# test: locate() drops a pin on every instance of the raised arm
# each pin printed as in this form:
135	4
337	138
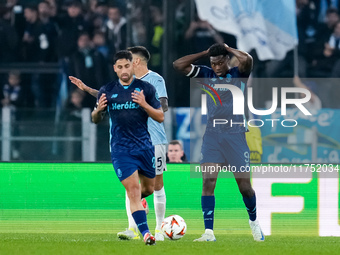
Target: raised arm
139	98
244	59
183	64
81	85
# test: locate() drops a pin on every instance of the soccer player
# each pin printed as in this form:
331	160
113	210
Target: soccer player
223	145
130	102
141	56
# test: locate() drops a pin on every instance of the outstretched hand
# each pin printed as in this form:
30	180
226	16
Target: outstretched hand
77	82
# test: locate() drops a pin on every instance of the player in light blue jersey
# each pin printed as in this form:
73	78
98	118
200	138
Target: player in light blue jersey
223	145
141	57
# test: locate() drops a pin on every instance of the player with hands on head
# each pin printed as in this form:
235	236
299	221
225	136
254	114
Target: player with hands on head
223	145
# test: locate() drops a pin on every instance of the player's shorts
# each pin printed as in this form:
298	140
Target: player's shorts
226	149
126	163
160	155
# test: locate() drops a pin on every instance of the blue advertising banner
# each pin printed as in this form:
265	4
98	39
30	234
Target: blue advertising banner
294	144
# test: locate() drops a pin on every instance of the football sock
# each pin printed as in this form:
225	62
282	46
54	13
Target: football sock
132	223
159	200
140	219
208	207
250	203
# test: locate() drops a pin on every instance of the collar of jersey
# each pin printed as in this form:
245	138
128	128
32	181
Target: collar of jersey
127	86
149	71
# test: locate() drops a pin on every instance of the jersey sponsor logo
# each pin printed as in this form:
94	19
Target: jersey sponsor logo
219	89
128	105
137	89
114	95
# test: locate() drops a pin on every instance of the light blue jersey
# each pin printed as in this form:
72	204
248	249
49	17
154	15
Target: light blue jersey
156	129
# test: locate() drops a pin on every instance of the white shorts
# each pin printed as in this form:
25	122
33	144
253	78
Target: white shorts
160	156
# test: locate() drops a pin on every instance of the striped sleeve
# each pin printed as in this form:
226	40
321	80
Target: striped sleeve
194	71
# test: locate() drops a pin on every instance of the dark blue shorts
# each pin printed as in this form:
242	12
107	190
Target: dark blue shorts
226	149
126	163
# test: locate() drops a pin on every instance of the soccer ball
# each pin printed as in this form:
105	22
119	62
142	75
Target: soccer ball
174	227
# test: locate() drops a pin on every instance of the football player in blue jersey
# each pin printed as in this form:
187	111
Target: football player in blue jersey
129	102
141	56
223	145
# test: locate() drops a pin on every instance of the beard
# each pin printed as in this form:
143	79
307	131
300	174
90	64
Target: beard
125	77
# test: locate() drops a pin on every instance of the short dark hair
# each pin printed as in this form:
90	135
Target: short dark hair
15	73
44	2
4	10
74	3
101	3
32	7
84	33
112	6
218	49
332	10
176	142
140	50
122	54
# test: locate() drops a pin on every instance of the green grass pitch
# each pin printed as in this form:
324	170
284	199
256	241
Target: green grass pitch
79	208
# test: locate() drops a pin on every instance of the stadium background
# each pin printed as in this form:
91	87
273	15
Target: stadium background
47	115
88	198
77	197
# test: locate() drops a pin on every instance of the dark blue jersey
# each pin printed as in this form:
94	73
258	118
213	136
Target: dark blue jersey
128	121
224	111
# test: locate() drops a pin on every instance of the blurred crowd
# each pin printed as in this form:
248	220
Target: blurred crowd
83	35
